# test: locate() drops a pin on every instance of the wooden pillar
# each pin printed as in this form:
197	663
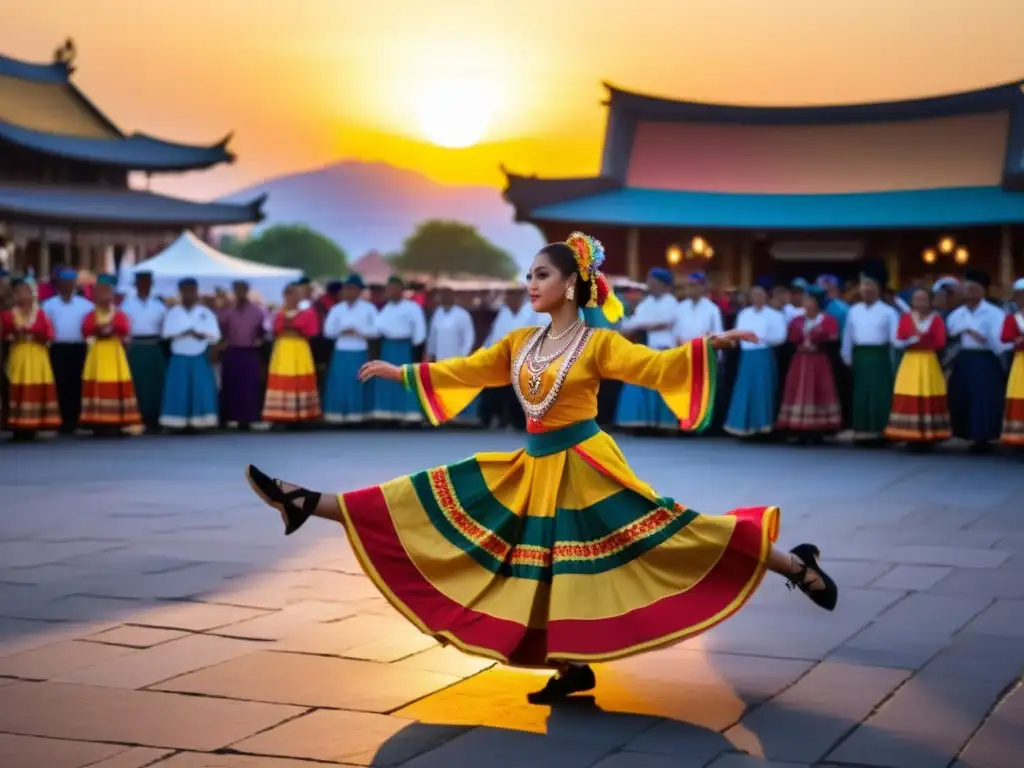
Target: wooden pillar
633	253
729	268
1006	271
746	262
44	255
892	266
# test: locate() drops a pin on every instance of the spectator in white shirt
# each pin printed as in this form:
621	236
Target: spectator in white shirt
349	325
190	392
67	310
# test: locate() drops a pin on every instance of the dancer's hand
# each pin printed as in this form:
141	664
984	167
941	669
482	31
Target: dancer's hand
381	370
730	339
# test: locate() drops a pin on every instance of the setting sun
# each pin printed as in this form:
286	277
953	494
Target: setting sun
454	113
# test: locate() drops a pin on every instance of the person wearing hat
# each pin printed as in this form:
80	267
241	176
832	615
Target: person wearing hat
1013	335
977	383
190	392
401	326
834	304
67	310
867	350
752	406
655	316
32	395
349	326
810	407
243	333
797	293
292	395
920	408
108	394
146	354
696	317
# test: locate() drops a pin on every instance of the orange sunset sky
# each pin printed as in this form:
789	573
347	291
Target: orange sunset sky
306	82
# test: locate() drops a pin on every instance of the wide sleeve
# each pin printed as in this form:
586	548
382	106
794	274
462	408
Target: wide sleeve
684	375
306	323
333	322
42	329
89	325
443	389
208	326
935	339
905	331
121	325
419	325
1012	332
277	325
175	323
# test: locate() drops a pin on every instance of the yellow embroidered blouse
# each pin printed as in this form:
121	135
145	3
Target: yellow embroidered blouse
684	376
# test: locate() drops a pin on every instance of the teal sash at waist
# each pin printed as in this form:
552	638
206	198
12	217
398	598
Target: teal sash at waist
546	443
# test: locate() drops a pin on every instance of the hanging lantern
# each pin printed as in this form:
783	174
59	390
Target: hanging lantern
929	256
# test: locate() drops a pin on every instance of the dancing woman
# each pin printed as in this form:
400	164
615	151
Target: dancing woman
556	554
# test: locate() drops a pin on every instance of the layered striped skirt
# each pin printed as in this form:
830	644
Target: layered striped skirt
32	394
920	408
1013	418
292	393
346	398
752	406
190	394
555	552
108	394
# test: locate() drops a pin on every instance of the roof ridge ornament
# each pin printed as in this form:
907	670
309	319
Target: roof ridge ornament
65	54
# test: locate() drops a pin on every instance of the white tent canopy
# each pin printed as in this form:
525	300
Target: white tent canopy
188	256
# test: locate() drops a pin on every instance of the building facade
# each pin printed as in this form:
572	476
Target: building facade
64	176
927	186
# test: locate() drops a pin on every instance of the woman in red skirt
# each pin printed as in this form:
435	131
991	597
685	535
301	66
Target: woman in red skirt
810	402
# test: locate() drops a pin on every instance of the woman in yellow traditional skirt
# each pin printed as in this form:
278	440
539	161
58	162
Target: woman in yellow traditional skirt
108	394
556	555
32	395
292	394
920	408
1013	333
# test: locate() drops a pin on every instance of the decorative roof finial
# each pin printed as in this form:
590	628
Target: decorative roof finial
66	54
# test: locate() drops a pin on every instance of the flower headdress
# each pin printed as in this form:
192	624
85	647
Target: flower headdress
589	258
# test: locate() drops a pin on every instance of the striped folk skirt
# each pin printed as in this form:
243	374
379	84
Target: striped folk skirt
752	406
148	366
1013	418
346	398
32	394
810	402
873	382
920	408
977	395
190	394
503	558
292	393
108	393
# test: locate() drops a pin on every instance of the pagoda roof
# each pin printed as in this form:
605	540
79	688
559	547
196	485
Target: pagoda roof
656	108
135	152
42	110
913	209
96	206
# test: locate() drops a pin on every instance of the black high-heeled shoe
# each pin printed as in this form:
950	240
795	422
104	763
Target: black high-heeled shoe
296	506
828	596
575	679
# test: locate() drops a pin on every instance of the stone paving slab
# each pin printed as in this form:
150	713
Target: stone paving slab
58	659
144	718
999	743
508	749
196	760
35	752
135	757
356	738
135	637
312	681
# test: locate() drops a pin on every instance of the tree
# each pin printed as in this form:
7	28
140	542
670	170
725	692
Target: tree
298	247
453	247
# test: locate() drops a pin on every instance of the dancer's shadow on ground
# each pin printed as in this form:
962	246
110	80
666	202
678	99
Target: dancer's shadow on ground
578	732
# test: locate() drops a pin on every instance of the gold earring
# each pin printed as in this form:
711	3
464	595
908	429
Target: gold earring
570	292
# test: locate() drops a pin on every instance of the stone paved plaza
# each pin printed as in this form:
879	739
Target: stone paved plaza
151	612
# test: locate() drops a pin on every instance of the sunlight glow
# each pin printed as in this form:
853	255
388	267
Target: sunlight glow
455	112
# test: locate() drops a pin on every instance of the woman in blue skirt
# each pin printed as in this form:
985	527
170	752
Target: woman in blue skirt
190	391
752	407
348	325
402	328
639	407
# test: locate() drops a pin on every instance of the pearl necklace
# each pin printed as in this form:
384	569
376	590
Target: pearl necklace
536	411
538	362
572	327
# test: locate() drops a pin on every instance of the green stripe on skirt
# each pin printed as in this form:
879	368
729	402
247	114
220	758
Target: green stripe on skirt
873	381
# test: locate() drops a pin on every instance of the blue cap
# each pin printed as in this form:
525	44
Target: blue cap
662	275
333	286
800	284
355	280
67	274
188	282
698	277
816	291
107	279
766	282
826	281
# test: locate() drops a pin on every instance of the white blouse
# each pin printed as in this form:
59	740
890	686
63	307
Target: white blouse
180	321
451	333
351	324
986	318
660	310
694	320
769	325
869	326
402	319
